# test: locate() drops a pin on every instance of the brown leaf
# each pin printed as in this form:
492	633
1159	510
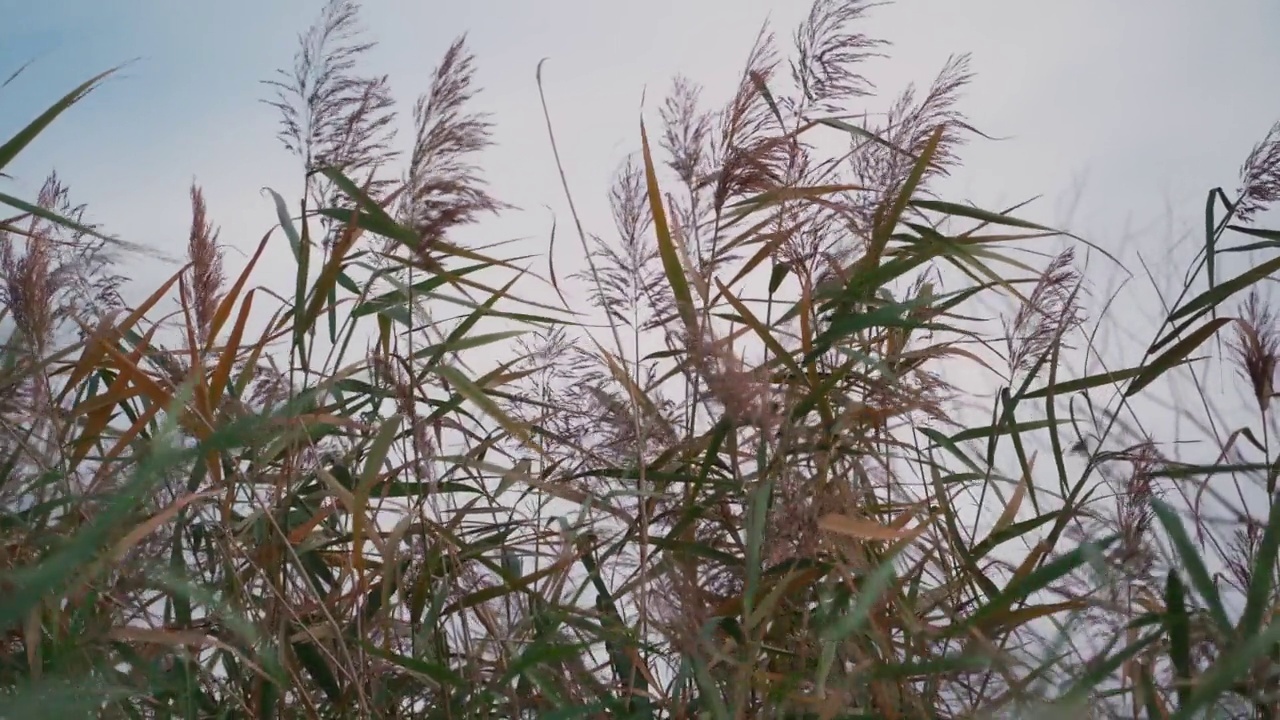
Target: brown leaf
862	528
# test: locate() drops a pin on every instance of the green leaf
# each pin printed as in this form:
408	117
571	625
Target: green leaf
988	431
457	335
1262	577
318	668
370	215
1015	530
377	454
66	222
29	585
1178	625
1230	667
670	256
286	222
1084	383
886	223
440	674
1273	235
869	593
1193	564
468	389
1020	589
863	133
1174	356
399	297
57	698
974	213
1100	671
18	142
778	274
1213	297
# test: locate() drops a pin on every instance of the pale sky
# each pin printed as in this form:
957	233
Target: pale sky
1140	104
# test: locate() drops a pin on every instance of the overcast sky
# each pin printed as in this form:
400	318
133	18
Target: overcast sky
1139	104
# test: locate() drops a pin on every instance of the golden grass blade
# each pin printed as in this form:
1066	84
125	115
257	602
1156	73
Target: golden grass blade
862	528
228	300
93	352
230	353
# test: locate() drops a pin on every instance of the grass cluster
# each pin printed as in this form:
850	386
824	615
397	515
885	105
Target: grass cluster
737	484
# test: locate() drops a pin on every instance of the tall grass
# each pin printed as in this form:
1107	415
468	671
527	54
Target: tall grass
738	486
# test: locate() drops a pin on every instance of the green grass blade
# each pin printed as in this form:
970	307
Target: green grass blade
1213	298
1178	626
26	135
1174	356
667	251
1227	670
1259	600
1193	563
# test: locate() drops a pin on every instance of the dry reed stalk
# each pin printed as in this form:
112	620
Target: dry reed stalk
204	292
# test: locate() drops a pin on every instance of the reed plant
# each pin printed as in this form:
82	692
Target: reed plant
800	438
